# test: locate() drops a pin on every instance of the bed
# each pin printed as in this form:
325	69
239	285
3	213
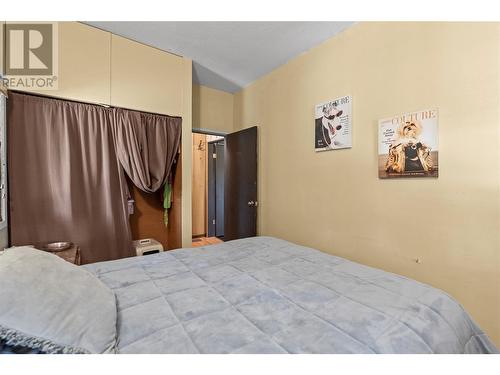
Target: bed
267	295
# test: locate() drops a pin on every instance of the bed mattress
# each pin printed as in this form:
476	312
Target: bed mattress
266	295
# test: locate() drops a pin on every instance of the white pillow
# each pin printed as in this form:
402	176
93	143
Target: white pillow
49	304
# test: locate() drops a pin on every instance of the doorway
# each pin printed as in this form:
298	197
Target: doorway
224	194
208	188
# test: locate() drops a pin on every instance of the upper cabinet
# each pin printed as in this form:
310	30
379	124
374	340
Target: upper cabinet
84	69
145	78
95	66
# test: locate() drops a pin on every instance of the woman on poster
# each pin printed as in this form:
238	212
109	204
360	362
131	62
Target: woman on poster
408	153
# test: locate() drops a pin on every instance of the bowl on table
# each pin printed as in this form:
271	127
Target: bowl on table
54	247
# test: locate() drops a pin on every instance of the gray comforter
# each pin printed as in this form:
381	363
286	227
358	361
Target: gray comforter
265	295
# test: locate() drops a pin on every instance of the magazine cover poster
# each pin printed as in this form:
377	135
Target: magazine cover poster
408	145
333	122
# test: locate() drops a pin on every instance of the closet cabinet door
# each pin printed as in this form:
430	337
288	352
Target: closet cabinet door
145	78
84	64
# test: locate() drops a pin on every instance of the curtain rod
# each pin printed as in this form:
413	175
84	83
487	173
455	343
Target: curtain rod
88	103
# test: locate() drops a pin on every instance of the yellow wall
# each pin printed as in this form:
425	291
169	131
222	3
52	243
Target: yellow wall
212	109
98	67
334	200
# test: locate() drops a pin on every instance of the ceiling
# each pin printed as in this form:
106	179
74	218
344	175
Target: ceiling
229	55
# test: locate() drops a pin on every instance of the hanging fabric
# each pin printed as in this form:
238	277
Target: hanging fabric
146	145
65	179
67	165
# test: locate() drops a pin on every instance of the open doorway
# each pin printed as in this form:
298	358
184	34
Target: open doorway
224	198
207	189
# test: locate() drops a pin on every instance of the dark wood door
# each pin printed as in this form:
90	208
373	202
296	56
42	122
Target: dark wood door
240	181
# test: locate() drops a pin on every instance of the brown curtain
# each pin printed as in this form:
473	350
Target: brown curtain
146	145
65	180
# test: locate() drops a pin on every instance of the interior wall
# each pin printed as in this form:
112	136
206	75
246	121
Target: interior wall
98	67
4	229
4	232
212	109
187	111
199	182
2	23
334	200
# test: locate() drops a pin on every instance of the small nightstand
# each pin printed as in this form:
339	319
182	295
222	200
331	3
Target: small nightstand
71	255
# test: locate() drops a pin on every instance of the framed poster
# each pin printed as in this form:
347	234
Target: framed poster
333	124
408	145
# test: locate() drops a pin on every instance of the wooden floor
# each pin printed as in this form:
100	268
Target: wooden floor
204	241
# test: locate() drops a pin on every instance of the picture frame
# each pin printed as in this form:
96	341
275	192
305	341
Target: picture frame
408	145
333	124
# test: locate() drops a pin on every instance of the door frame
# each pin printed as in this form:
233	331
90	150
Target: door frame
213	187
214	133
209	132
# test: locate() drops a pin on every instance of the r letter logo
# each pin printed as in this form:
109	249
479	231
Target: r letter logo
30	56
